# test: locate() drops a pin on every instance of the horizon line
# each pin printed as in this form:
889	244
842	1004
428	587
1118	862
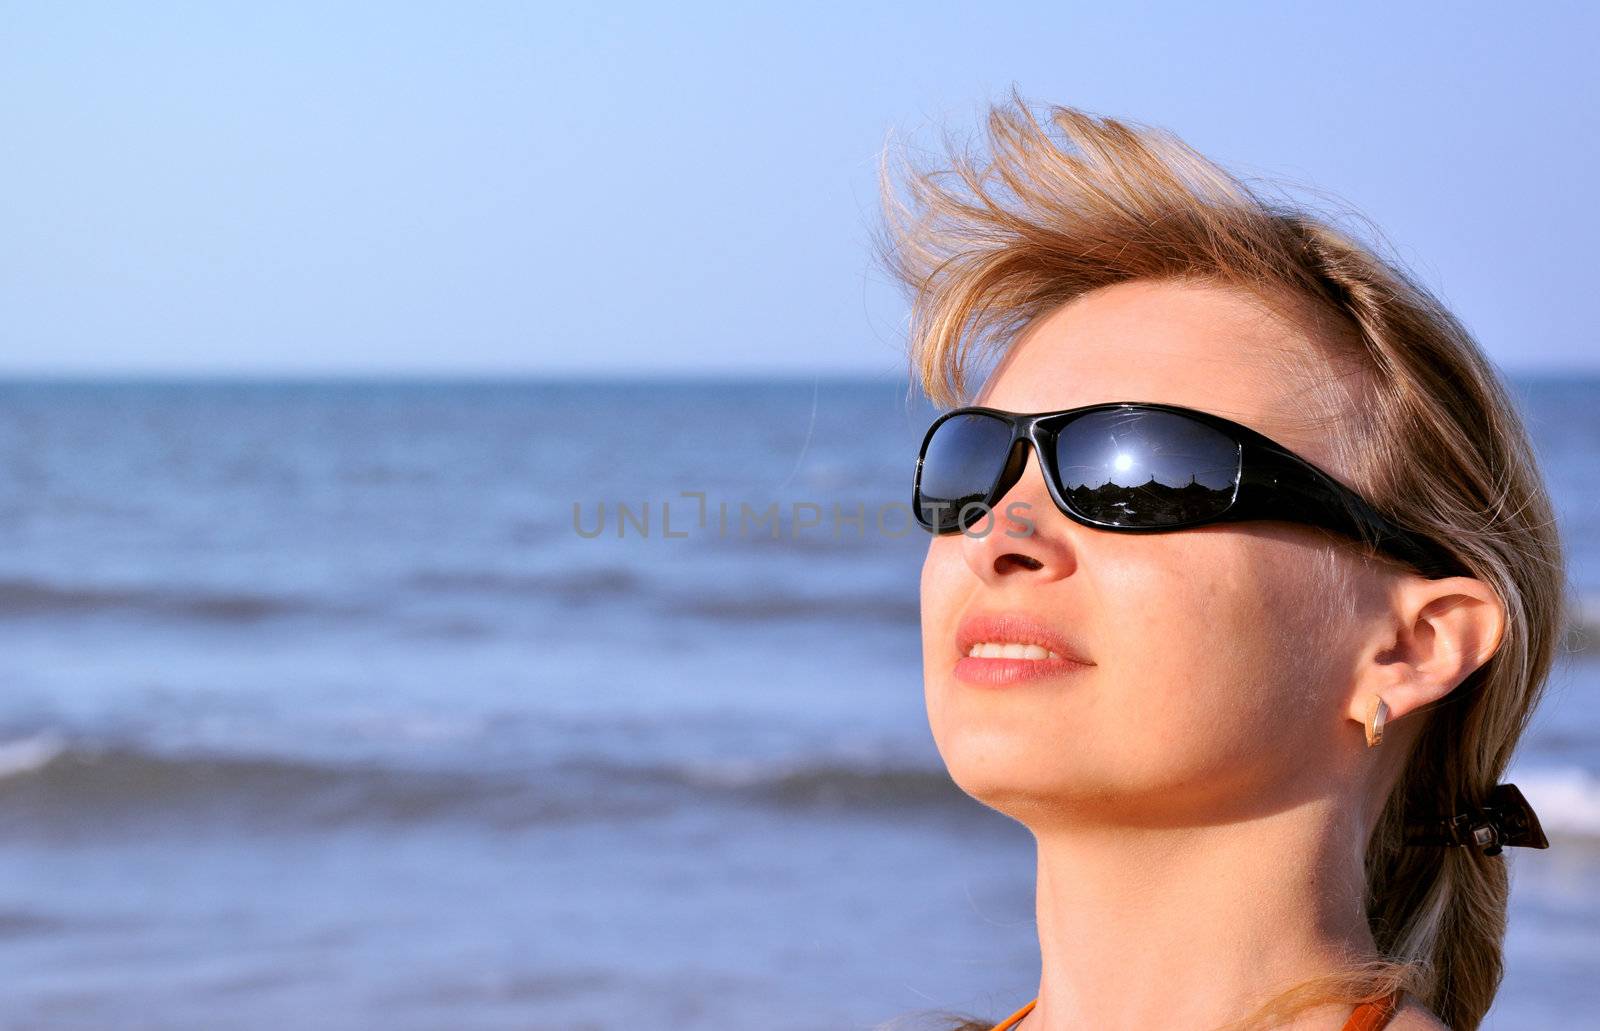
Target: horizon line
548	375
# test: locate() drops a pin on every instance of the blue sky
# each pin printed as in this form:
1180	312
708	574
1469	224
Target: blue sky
476	188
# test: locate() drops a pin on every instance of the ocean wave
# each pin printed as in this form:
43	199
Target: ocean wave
825	784
14	923
584	585
30	597
52	785
58	787
776	606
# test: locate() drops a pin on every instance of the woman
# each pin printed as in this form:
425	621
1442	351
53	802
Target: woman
1235	740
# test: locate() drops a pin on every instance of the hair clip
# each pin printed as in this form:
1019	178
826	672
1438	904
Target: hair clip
1505	819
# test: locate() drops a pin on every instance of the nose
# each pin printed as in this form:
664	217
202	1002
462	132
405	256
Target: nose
1024	536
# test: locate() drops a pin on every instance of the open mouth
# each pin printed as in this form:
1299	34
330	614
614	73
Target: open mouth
998	648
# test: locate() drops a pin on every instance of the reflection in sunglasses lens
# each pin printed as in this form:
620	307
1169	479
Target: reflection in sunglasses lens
961	463
1141	468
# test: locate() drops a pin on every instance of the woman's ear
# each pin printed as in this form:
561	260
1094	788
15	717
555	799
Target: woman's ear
1432	636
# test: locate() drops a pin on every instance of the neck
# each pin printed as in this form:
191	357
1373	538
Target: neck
1189	927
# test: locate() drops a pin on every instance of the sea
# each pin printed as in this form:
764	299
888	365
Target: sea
451	704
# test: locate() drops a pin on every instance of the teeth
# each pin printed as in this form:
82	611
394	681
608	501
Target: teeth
1009	650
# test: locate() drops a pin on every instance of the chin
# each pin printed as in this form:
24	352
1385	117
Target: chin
993	770
1034	784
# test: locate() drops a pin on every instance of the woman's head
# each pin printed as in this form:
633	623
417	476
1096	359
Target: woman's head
1232	663
1179	624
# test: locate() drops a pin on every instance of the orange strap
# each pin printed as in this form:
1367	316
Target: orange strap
1369	1016
1023	1012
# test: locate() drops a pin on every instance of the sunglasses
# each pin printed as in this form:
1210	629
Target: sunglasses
1139	467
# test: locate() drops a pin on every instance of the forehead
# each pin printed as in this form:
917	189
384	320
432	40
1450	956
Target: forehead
1214	348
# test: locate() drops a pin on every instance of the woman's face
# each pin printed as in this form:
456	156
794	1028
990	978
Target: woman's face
1217	685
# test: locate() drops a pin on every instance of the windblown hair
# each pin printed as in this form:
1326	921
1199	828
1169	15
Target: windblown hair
990	245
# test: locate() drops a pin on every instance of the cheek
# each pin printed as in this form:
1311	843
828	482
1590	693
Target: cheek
945	584
1220	683
946	580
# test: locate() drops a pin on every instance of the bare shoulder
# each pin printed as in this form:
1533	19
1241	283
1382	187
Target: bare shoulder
1414	1016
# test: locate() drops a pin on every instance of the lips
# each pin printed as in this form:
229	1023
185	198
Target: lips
1020	629
1015	628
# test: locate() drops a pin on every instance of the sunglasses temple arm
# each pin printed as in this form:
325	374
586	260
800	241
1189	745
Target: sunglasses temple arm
1288	487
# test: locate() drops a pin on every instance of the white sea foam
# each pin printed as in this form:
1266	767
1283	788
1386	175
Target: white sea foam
1567	798
26	754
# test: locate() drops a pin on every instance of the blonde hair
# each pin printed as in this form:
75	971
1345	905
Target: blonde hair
990	244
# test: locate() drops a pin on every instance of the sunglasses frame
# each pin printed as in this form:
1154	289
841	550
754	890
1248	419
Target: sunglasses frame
1274	484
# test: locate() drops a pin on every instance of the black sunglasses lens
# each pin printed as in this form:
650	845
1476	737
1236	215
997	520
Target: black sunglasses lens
1146	468
960	463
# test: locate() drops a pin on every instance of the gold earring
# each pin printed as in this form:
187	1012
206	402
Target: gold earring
1377	716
